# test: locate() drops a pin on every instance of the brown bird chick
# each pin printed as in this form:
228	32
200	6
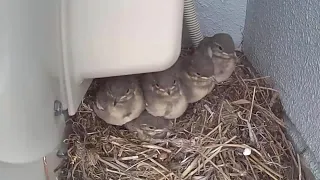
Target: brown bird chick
119	100
197	74
149	127
163	94
223	55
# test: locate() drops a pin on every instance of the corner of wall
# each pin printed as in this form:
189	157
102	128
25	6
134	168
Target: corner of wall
306	155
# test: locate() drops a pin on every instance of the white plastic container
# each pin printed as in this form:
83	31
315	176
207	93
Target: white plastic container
30	79
51	50
108	38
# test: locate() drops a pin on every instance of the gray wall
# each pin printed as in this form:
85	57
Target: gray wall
282	39
222	16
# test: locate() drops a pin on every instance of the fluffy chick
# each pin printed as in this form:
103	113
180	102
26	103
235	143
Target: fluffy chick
119	100
163	94
223	55
196	73
147	126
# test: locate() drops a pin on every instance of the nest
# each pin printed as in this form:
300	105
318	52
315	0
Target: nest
235	132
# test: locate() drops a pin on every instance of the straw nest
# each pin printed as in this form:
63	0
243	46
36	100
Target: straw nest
236	132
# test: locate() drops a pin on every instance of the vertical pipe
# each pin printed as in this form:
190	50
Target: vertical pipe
192	22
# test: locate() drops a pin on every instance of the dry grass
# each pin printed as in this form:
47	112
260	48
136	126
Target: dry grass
208	142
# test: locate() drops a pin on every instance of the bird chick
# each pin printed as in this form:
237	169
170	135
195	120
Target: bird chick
163	94
197	74
149	127
119	100
223	55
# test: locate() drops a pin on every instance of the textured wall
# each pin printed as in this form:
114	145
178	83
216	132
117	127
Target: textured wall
282	40
222	16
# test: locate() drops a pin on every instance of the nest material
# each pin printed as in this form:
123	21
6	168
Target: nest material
235	132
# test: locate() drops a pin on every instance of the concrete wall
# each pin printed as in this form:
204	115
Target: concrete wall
282	38
219	16
222	16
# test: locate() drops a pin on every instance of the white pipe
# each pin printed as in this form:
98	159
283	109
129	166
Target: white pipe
192	22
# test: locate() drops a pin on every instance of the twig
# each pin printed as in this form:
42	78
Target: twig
252	101
265	167
151	146
299	166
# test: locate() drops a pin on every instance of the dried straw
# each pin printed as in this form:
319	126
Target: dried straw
207	143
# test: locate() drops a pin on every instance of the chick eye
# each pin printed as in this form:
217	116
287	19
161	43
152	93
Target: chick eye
198	74
128	90
220	48
174	82
99	106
